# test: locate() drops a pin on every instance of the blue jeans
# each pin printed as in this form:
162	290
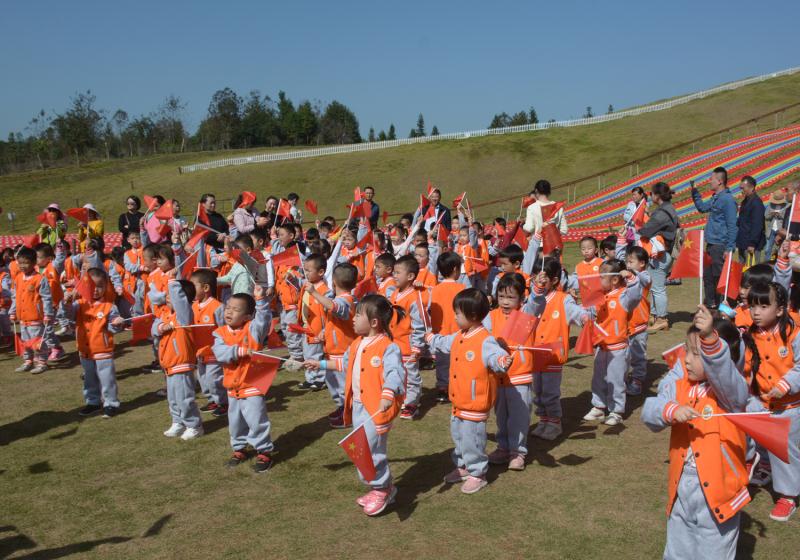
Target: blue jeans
659	270
770	243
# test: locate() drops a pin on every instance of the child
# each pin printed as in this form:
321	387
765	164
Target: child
208	310
443	319
6	333
238	277
288	281
157	282
753	275
556	310
350	253
32	305
312	316
177	355
469	251
408	331
703	518
373	391
475	359
426	279
96	321
636	261
247	322
384	277
589	266
608	247
772	363
135	278
339	307
44	265
513	406
510	262
623	291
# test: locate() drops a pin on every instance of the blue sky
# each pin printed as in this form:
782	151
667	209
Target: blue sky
456	62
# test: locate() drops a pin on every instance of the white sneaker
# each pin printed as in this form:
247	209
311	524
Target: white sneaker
175	430
540	428
551	431
595	415
292	365
192	433
613	419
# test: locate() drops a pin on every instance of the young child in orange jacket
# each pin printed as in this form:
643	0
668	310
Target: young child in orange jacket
475	360
443	318
178	357
208	310
247	322
96	322
707	476
623	291
772	364
288	281
374	387
636	260
32	306
312	317
44	265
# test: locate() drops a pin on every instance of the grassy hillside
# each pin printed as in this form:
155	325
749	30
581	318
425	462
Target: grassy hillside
488	168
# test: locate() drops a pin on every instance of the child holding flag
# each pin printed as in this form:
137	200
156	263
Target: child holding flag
32	305
707	475
374	387
247	321
443	318
208	310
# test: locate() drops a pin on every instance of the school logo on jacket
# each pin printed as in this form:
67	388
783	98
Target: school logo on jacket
100	315
783	351
206	319
595	268
556	314
470	355
612	304
375	361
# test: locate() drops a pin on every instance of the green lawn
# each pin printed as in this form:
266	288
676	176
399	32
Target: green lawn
119	489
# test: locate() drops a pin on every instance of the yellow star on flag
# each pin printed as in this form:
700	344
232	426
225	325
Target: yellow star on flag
687	243
352	446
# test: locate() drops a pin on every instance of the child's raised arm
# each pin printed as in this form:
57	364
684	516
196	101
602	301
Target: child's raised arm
259	326
180	303
632	294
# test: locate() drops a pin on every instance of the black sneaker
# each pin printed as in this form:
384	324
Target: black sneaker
319	386
306	386
219	411
90	409
210	406
263	463
110	411
236	459
442	397
154	367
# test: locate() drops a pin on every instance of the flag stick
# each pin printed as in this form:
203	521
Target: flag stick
271	356
728	275
358	428
194	325
702	252
138	317
791	216
737	414
209	228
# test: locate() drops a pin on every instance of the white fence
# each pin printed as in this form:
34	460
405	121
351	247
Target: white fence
367	146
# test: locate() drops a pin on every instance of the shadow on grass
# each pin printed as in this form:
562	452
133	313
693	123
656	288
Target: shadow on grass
750	531
279	394
156	527
43	421
40	468
425	473
573	409
70	549
289	444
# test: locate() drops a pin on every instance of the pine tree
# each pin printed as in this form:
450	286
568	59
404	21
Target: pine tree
382	136
371	137
420	125
610	109
434	131
413	133
532	117
588	114
392	134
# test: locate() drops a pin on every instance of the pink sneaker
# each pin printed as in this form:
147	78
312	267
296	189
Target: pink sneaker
517	462
473	484
57	354
379	500
499	456
362	500
456	475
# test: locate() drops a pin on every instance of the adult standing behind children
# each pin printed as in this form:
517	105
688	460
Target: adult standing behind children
663	222
51	234
533	216
217	222
750	239
720	232
129	220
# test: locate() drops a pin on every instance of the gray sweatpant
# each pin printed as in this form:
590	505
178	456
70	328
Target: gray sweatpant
378	444
31	332
313	352
547	394
470	445
180	396
248	423
335	380
637	346
100	382
413	380
442	370
608	380
513	412
210	377
294	341
692	531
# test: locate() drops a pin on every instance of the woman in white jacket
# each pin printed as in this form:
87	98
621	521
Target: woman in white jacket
533	217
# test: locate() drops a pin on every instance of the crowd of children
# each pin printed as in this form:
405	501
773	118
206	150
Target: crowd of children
363	311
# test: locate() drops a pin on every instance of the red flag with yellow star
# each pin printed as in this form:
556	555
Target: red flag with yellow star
691	260
356	446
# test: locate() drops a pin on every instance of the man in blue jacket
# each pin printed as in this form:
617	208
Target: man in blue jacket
720	232
751	237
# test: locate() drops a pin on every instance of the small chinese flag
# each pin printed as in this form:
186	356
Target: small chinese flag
300	329
311	206
430	188
795	217
19	346
585	343
164	230
551	239
248	198
674	354
385	216
262	372
423	201
165	212
508	235
478	265
690	261
459	199
732	276
528	200
518	328
274	339
521	239
202	215
79	214
141	327
150	202
442	233
543	354
47	218
367	286
639	218
549	211
284	209
356	446
85	287
198	233
591	290
771	432
289	257
30	241
187	266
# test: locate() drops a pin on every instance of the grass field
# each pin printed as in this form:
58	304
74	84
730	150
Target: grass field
119	489
488	168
